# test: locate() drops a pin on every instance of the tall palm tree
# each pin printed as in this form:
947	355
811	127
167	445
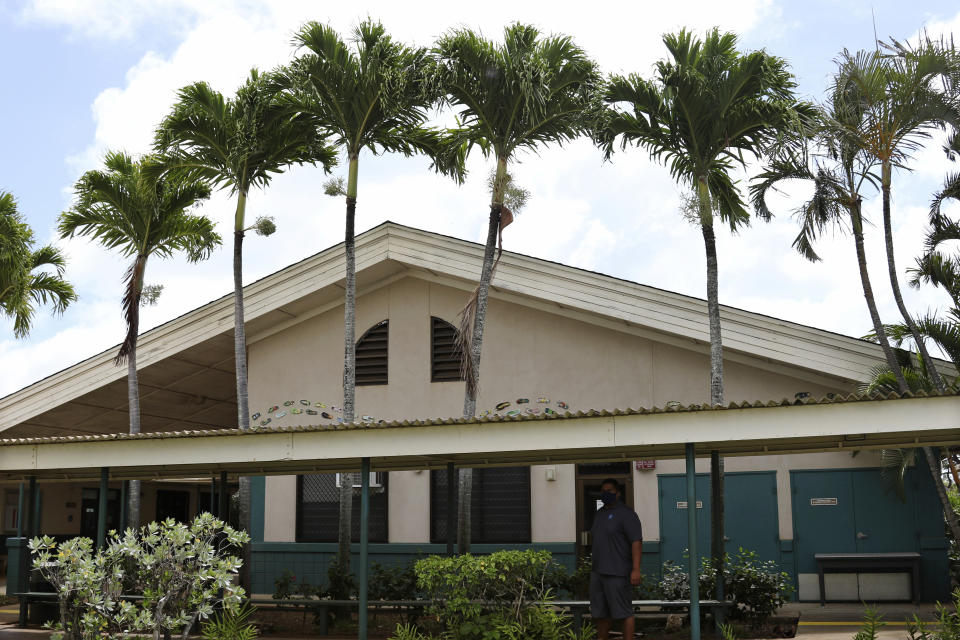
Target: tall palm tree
707	106
522	94
238	143
903	100
839	172
128	208
367	95
25	277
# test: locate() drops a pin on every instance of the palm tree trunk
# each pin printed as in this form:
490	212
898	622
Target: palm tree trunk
933	461
895	282
133	383
716	385
856	223
465	489
240	363
349	361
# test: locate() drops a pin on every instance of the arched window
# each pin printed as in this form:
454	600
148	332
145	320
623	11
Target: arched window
445	356
372	355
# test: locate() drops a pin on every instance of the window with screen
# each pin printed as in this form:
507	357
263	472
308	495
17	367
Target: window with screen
318	507
500	512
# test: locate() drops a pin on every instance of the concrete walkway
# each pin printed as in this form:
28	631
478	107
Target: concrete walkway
841	621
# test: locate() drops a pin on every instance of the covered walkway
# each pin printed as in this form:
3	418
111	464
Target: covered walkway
851	423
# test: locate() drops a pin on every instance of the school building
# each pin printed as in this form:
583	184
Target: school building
558	340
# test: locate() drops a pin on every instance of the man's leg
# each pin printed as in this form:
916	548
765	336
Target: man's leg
628	628
603	628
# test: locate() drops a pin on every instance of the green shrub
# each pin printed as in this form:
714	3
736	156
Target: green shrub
503	596
231	625
947	626
756	588
872	623
392	583
409	632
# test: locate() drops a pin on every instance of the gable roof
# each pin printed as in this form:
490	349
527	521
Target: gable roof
86	396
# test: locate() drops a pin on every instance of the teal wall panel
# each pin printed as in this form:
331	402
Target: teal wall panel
258	491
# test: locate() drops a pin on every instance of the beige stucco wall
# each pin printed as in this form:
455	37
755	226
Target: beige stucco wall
526	352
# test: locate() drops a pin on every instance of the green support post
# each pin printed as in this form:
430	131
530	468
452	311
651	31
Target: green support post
124	491
364	544
213	496
692	542
451	510
25	565
102	508
223	507
717	502
20	513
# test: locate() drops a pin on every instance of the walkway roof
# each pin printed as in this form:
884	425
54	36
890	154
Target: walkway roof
836	424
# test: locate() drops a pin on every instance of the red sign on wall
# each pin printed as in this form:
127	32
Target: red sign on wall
645	465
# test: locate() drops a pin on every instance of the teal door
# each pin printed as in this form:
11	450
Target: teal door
750	513
869	517
884	521
674	541
823	515
750	510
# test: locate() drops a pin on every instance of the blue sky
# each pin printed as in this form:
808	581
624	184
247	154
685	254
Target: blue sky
83	76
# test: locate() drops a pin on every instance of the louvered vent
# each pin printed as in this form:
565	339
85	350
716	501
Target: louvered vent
372	355
445	357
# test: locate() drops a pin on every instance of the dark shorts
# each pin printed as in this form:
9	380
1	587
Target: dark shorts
611	596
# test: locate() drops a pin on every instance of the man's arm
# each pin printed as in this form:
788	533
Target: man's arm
636	550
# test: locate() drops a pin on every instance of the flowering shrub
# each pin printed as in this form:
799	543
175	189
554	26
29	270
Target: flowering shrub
756	588
181	571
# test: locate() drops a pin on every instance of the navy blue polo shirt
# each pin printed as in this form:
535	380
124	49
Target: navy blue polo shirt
615	529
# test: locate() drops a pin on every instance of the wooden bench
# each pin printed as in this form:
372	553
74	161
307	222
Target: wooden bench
869	563
578	608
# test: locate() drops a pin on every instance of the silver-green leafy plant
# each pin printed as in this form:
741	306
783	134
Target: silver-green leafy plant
182	572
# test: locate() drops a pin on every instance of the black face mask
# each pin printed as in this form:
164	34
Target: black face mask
608	497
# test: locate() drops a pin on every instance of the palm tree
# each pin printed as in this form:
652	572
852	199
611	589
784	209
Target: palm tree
903	100
524	94
706	107
367	95
839	171
238	144
25	282
128	208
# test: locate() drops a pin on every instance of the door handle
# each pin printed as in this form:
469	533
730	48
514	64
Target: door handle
861	535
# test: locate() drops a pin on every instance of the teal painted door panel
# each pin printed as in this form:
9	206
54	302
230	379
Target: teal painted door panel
884	522
751	513
674	540
750	509
823	515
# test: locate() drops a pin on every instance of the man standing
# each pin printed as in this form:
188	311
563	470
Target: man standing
616	539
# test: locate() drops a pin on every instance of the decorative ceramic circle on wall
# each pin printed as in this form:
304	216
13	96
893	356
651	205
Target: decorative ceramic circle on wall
510	408
287	403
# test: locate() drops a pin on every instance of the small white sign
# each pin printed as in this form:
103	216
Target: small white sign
599	505
823	502
682	504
